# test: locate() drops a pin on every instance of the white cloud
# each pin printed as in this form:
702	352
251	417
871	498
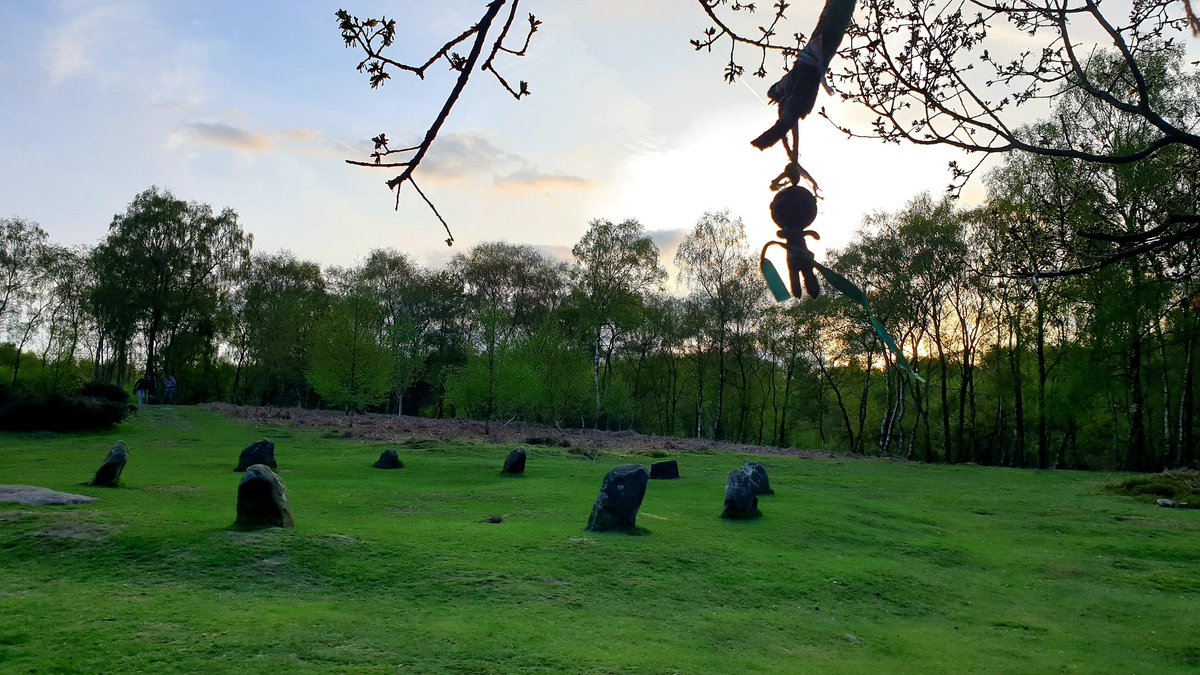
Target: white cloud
230	137
454	157
460	155
530	178
306	142
72	48
560	253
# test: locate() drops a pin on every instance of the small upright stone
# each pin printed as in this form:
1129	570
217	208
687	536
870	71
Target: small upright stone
388	460
514	464
740	500
259	452
620	497
668	470
114	464
758	476
262	500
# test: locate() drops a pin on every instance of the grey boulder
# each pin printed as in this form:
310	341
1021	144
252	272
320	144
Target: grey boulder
262	500
514	464
741	502
668	470
259	452
388	459
114	464
620	497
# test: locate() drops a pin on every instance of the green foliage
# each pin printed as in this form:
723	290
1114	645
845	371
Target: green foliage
165	271
617	266
88	409
350	369
21	245
512	386
855	566
105	391
275	312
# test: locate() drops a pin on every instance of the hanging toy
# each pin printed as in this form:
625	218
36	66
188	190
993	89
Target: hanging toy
793	209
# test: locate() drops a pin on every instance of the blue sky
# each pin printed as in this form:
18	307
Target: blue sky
255	105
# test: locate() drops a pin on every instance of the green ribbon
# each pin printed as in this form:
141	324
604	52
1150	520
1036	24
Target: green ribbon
844	286
774	282
848	289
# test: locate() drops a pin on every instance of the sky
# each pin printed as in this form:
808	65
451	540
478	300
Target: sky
255	105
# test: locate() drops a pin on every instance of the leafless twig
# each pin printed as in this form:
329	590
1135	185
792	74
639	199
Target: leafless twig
373	36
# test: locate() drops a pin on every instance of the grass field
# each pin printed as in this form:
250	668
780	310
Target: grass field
856	566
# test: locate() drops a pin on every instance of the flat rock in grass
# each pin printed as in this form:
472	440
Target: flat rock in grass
388	459
758	476
668	470
259	452
40	496
1166	503
620	497
262	500
114	464
514	464
741	503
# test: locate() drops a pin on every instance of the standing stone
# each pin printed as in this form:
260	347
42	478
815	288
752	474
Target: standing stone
114	464
668	470
259	452
388	460
620	497
514	464
758	476
262	500
740	500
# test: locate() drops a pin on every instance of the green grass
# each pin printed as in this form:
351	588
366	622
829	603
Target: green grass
856	566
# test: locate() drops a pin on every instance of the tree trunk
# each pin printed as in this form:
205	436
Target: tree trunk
596	379
1187	446
1170	448
151	340
1040	324
720	412
966	385
945	385
862	403
743	402
1019	458
1067	441
699	390
491	398
16	367
1137	460
841	403
98	357
888	419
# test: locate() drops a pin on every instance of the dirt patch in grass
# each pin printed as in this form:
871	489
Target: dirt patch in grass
1181	487
172	489
421	432
13	517
76	532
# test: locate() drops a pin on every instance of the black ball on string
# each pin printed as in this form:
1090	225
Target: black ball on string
794	208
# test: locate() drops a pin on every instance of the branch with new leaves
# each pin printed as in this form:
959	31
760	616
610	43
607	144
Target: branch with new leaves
933	72
375	36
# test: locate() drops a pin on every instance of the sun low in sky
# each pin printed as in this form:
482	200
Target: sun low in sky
256	105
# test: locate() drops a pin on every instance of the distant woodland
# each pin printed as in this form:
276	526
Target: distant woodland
1029	354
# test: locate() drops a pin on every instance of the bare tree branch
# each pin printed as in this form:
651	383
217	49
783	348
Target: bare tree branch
372	36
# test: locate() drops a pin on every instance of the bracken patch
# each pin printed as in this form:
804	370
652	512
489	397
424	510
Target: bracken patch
1181	487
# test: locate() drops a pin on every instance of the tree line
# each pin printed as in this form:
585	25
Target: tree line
1023	360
